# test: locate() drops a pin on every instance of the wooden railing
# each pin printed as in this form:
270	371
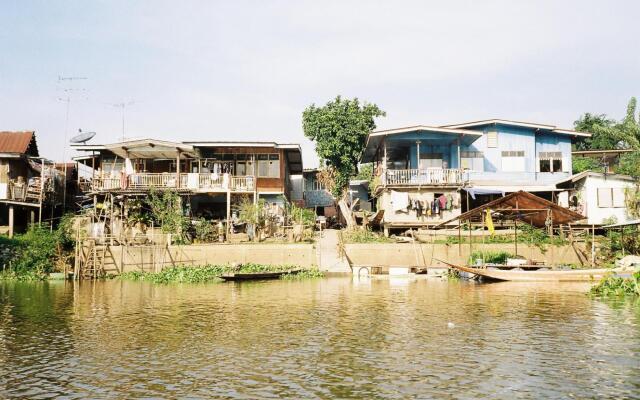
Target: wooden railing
192	181
243	183
417	177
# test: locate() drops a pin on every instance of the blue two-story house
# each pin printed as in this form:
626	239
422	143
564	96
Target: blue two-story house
423	170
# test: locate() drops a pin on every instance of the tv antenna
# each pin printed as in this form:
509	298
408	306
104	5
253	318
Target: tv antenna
123	106
67	80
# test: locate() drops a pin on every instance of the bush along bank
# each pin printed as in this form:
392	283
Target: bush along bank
615	286
36	253
212	273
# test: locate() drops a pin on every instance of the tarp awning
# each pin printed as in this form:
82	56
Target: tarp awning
523	206
473	191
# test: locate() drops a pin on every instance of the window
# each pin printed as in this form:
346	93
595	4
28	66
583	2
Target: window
513	161
492	139
472	160
550	161
112	165
611	197
241	164
268	165
430	160
274	166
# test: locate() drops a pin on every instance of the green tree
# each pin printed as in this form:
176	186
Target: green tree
581	164
599	126
609	134
629	164
339	130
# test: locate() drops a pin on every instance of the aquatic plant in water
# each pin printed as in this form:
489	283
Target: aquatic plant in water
612	285
205	273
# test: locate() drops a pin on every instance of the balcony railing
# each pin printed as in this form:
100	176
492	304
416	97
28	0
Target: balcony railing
423	177
189	181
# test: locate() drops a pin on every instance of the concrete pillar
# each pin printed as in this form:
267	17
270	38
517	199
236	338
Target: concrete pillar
32	217
10	220
228	213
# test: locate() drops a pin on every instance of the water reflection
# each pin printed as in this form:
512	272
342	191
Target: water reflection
315	339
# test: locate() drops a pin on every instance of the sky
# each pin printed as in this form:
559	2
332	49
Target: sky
245	70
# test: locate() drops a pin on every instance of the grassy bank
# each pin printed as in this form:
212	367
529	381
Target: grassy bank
614	286
211	273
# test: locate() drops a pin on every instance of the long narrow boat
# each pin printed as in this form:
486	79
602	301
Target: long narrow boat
249	276
573	275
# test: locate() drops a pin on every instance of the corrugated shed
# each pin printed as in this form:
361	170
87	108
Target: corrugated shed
18	142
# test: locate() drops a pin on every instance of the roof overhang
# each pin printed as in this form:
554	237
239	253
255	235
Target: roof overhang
11	155
419	132
143	148
520	124
586	174
243	144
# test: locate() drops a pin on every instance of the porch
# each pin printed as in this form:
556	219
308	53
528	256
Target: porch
196	182
419	156
422	177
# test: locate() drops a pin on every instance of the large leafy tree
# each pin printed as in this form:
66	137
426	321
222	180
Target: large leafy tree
598	125
609	134
339	130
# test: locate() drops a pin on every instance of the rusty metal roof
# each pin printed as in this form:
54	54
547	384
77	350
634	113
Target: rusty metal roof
524	206
19	142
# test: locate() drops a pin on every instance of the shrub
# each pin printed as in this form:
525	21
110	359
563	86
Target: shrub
364	236
492	257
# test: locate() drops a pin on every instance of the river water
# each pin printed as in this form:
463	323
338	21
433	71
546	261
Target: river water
326	338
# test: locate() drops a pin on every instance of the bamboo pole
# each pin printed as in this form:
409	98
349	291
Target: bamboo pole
459	237
515	227
593	245
482	216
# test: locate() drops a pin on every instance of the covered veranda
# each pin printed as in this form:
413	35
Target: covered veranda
418	155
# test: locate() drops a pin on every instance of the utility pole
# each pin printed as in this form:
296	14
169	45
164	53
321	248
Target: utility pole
67	80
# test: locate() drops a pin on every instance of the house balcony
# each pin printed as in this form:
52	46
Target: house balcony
423	177
195	182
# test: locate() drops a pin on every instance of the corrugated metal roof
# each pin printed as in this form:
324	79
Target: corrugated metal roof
18	142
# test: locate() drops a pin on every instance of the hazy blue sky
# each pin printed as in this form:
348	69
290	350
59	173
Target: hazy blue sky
246	70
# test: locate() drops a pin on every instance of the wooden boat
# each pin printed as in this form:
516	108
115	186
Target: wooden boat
252	276
572	275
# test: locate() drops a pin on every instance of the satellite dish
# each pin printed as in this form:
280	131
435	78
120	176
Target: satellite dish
83	137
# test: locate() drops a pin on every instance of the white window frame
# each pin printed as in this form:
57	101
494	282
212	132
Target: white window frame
513	161
551	156
611	197
492	139
472	160
271	170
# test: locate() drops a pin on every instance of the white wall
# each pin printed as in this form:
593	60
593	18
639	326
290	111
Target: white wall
588	196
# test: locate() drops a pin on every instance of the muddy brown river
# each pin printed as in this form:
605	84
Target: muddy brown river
316	339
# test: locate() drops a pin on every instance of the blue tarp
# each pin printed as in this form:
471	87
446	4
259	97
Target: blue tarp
474	191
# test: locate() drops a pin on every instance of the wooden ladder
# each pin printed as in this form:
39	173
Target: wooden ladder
92	265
